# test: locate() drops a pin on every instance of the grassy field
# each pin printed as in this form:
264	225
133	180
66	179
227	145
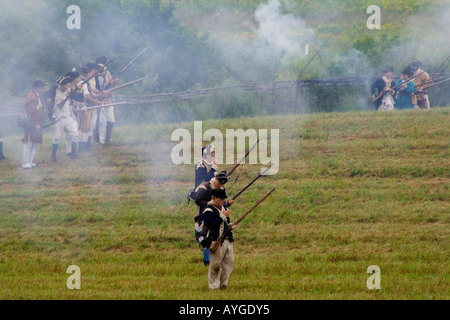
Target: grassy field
353	190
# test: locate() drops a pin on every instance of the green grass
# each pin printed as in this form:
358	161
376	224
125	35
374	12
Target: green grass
353	190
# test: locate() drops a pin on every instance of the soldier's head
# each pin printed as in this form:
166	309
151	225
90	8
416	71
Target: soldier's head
38	86
74	75
220	179
219	197
209	154
91	68
64	82
388	71
406	74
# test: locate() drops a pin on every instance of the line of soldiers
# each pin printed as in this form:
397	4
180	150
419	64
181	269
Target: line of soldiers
213	218
409	92
67	104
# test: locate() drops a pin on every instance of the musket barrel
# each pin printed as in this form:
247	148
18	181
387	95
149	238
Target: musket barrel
243	159
224	234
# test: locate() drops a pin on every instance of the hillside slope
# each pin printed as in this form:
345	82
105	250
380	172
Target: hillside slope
353	190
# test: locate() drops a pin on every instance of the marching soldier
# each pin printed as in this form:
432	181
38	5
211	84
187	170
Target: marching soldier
203	197
381	91
217	221
421	97
33	135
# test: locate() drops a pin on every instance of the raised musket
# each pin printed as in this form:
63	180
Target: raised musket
439	66
250	183
128	84
215	245
243	159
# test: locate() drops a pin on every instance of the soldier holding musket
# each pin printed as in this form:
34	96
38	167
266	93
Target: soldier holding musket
203	197
422	80
217	220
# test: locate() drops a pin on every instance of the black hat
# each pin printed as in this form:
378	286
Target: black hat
387	69
73	74
101	60
413	66
38	84
91	66
419	64
219	193
222	177
408	72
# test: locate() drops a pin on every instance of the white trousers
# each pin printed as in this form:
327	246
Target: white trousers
29	152
68	125
220	266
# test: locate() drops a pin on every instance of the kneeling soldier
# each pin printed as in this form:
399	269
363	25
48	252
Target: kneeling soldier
217	220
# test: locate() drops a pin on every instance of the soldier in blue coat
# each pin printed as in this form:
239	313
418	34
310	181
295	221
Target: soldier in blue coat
405	91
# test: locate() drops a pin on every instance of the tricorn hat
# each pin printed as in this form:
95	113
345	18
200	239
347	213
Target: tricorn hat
387	69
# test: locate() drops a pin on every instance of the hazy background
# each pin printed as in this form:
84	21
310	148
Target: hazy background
194	45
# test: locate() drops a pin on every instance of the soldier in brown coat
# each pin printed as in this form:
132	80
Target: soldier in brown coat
33	134
421	97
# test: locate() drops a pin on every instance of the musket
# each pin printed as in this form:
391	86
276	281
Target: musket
250	183
215	245
104	105
116	75
243	159
127	84
51	123
96	73
63	102
439	66
394	87
129	64
438	83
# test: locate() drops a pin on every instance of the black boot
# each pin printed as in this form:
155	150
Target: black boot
73	153
2	156
109	127
54	149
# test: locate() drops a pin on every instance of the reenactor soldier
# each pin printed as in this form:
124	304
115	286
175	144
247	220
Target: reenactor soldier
205	169
405	91
105	82
420	100
217	221
203	197
63	116
90	99
381	91
33	134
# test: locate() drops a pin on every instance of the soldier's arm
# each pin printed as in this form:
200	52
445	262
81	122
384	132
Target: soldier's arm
201	196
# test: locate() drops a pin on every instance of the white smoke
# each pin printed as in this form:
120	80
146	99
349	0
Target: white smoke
283	34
